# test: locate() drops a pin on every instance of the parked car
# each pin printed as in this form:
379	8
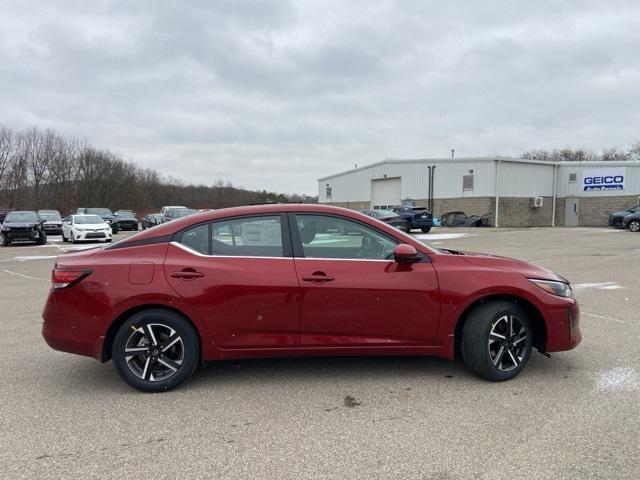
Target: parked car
258	281
3	213
22	226
416	217
79	228
632	222
106	214
166	208
151	220
616	219
125	220
52	221
461	219
175	213
389	217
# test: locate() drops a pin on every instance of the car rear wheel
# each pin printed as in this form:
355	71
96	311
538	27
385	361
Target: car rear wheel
634	226
155	350
426	230
497	340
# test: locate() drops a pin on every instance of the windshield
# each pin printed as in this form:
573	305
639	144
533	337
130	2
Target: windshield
22	217
50	216
88	219
125	215
100	211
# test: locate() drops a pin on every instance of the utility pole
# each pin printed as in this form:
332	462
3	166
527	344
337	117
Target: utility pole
452	152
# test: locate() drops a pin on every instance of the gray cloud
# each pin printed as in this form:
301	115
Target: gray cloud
273	94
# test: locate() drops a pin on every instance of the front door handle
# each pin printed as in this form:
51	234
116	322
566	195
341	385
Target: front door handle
318	277
187	274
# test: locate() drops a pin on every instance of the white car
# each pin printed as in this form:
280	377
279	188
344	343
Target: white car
77	228
166	208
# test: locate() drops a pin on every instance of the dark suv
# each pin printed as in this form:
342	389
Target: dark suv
616	219
416	217
23	227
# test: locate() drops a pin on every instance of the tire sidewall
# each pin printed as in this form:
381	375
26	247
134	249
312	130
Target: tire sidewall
637	226
482	363
170	319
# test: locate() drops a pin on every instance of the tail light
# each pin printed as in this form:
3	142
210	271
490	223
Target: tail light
67	278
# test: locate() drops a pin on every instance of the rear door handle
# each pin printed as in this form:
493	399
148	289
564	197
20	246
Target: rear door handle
318	277
187	274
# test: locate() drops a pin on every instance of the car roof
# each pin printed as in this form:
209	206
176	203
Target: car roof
23	211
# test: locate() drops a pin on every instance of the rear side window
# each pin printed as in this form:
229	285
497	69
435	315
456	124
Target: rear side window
197	239
248	237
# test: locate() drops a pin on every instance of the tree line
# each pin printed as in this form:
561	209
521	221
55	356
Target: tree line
582	155
41	169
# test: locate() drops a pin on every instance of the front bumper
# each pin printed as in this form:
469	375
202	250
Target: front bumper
82	235
563	327
21	235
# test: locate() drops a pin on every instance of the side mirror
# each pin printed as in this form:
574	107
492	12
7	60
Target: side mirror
405	254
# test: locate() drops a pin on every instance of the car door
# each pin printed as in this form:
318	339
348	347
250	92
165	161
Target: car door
352	291
238	275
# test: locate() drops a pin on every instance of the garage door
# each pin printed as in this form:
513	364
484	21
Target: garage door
385	193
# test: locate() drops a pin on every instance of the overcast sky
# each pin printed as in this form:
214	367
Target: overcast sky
274	94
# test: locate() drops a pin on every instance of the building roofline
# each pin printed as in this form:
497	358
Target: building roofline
396	161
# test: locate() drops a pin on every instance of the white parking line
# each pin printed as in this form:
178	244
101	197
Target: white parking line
25	276
443	236
597	286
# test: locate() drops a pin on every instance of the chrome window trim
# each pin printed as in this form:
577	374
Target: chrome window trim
194	252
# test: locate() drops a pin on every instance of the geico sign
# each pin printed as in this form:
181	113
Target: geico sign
600	179
606	180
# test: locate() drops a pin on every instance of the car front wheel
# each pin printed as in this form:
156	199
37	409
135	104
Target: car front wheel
497	340
155	350
426	230
634	226
618	223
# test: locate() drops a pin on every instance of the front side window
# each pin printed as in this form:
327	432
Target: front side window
334	237
248	237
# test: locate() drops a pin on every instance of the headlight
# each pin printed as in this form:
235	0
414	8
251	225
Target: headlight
6	229
560	289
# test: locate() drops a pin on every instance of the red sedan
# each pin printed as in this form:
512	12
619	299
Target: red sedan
293	280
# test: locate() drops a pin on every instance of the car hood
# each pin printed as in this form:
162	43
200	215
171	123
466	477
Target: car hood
529	270
622	213
57	222
20	224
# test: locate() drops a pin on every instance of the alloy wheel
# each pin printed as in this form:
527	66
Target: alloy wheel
507	342
154	352
634	226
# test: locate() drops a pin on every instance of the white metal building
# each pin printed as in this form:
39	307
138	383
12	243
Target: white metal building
514	191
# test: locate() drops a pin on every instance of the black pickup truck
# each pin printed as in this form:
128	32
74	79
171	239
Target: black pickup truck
416	217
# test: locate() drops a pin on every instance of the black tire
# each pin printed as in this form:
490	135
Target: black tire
634	225
480	347
5	242
42	239
64	239
72	238
135	330
618	223
408	228
108	240
426	230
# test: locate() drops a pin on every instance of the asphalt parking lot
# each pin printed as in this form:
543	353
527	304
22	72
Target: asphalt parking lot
574	415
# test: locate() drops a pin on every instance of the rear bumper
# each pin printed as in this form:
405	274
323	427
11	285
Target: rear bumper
422	222
71	323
